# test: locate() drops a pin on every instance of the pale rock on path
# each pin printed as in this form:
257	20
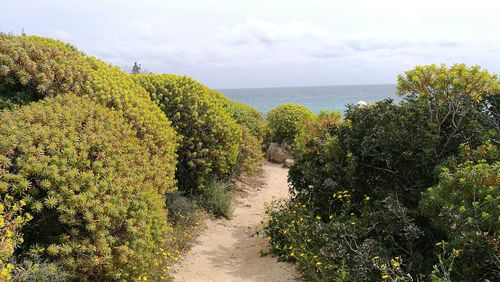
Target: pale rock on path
226	250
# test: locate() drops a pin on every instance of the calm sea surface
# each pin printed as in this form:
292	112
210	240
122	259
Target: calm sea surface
316	98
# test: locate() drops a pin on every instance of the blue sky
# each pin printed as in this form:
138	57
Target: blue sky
231	44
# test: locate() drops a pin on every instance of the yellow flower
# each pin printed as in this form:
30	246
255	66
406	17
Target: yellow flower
395	263
318	263
318	217
456	252
385	276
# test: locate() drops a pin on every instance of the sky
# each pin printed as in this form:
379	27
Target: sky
272	43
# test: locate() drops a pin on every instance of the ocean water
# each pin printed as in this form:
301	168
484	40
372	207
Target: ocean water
315	98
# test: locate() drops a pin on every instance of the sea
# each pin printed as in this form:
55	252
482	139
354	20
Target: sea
316	98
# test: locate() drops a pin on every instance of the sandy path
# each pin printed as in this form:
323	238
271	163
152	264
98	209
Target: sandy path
225	251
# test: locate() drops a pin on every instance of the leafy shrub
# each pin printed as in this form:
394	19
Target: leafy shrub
250	156
379	150
346	240
464	205
250	118
458	103
89	183
215	197
33	68
210	137
285	122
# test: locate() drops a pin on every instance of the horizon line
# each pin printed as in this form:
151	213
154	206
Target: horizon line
303	86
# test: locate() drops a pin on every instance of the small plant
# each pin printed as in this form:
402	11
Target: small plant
216	198
35	269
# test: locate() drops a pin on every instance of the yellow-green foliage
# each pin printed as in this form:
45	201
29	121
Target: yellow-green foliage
254	128
89	183
249	117
11	220
250	158
32	68
286	120
211	137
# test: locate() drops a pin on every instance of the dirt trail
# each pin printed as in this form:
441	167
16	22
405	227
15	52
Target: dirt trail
226	251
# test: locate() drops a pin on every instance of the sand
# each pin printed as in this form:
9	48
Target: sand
227	250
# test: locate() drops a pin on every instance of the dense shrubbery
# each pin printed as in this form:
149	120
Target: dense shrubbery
89	186
250	118
285	122
366	179
33	68
210	137
84	176
254	128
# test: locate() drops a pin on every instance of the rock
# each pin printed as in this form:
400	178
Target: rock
289	162
276	154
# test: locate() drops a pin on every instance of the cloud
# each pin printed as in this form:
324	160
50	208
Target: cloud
257	30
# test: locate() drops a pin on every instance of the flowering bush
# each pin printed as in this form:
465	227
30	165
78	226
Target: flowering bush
89	186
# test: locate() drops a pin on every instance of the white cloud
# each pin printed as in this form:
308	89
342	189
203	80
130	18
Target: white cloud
267	32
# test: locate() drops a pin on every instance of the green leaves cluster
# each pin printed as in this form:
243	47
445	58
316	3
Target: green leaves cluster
211	138
90	186
285	122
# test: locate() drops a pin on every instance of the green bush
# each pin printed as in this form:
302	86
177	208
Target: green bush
464	206
249	117
33	68
89	183
250	156
210	136
254	128
345	244
285	122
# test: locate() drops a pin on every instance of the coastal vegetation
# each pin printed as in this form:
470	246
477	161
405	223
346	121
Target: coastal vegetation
399	192
104	175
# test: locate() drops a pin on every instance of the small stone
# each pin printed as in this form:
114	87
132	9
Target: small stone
289	162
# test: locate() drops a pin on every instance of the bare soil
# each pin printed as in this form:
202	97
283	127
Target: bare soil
228	250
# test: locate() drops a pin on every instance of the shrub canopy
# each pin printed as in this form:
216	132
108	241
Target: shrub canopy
211	138
285	122
32	68
250	117
89	184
